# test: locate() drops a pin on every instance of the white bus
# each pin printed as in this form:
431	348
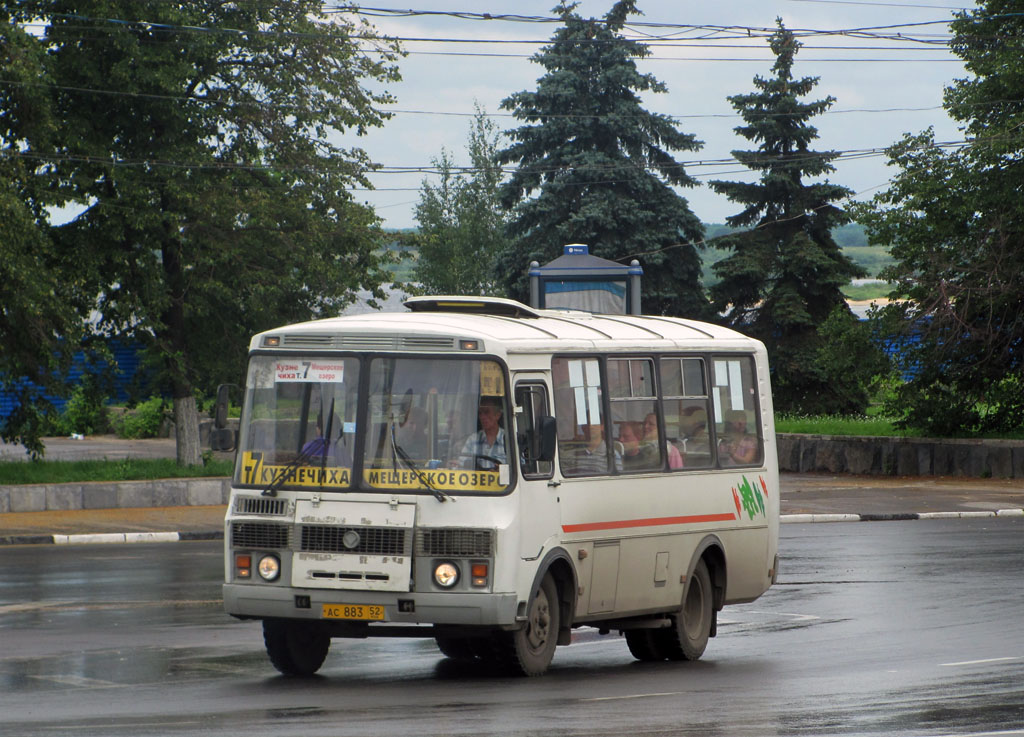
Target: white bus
494	476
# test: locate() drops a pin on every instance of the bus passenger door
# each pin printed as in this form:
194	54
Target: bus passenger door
538	500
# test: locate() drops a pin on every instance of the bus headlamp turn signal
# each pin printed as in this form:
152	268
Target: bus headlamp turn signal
446	575
269	568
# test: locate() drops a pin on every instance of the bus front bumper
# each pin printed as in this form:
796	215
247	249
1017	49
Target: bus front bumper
449	608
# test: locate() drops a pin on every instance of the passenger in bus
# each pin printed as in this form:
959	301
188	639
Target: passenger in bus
412	435
737	446
636	454
337	452
592	457
487	444
651	437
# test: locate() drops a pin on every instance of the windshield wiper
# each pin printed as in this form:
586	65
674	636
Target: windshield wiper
404	457
288	470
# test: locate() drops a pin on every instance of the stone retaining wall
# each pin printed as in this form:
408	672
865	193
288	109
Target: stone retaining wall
112	495
883	456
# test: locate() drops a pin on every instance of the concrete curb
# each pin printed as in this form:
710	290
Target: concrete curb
109	538
894	517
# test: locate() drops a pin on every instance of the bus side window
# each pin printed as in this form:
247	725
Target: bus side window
531	407
737	428
685	404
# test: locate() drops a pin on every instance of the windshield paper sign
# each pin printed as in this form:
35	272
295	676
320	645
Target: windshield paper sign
316	371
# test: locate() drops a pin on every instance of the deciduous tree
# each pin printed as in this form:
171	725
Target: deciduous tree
461	221
205	140
955	222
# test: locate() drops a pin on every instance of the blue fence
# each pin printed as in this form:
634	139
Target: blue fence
126	359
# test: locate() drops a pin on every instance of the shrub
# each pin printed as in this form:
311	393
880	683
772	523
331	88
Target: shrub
144	421
84	412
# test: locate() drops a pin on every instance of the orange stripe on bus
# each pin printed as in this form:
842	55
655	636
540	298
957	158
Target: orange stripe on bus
652	522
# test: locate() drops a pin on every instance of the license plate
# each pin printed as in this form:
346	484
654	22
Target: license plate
353	611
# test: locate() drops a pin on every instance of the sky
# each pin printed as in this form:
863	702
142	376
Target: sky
887	73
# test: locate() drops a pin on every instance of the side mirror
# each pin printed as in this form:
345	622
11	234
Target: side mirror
222	438
220	411
548	429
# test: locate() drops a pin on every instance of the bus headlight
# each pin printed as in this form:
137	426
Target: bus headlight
446	575
269	567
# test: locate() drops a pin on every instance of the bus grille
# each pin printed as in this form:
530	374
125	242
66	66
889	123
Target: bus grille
362	341
372	540
260	505
262	535
454	542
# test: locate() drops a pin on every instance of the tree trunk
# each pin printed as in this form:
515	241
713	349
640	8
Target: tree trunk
186	431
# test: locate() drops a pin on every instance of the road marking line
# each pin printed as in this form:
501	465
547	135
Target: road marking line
980	662
80	681
1001	733
632	696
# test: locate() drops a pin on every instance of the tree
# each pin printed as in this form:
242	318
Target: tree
38	318
601	166
200	136
783	277
955	222
461	220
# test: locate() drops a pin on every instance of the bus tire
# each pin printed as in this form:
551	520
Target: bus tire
688	636
457	648
645	645
295	649
529	650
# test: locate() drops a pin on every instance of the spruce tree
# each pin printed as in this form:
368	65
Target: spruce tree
783	276
595	167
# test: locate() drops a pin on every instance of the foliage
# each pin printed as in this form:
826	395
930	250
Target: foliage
848	367
955	222
461	220
39	299
593	166
84	412
144	421
784	275
217	199
126	469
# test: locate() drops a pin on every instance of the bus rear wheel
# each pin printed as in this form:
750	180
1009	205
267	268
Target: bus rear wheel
688	636
645	644
529	650
295	648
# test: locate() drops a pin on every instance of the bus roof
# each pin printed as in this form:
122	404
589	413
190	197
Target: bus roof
440	323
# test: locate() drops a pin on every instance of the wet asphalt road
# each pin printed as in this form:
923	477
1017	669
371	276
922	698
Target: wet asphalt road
908	628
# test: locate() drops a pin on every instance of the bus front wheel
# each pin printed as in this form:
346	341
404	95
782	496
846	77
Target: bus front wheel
295	649
529	650
688	637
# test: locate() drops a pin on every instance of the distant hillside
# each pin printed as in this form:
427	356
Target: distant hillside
851	238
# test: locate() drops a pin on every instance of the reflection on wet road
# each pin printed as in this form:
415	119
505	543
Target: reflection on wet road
911	628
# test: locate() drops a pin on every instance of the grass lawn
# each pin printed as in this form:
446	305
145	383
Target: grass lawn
824	425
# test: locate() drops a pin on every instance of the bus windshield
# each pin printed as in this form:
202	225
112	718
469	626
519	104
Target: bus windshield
300	422
430	424
438	424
